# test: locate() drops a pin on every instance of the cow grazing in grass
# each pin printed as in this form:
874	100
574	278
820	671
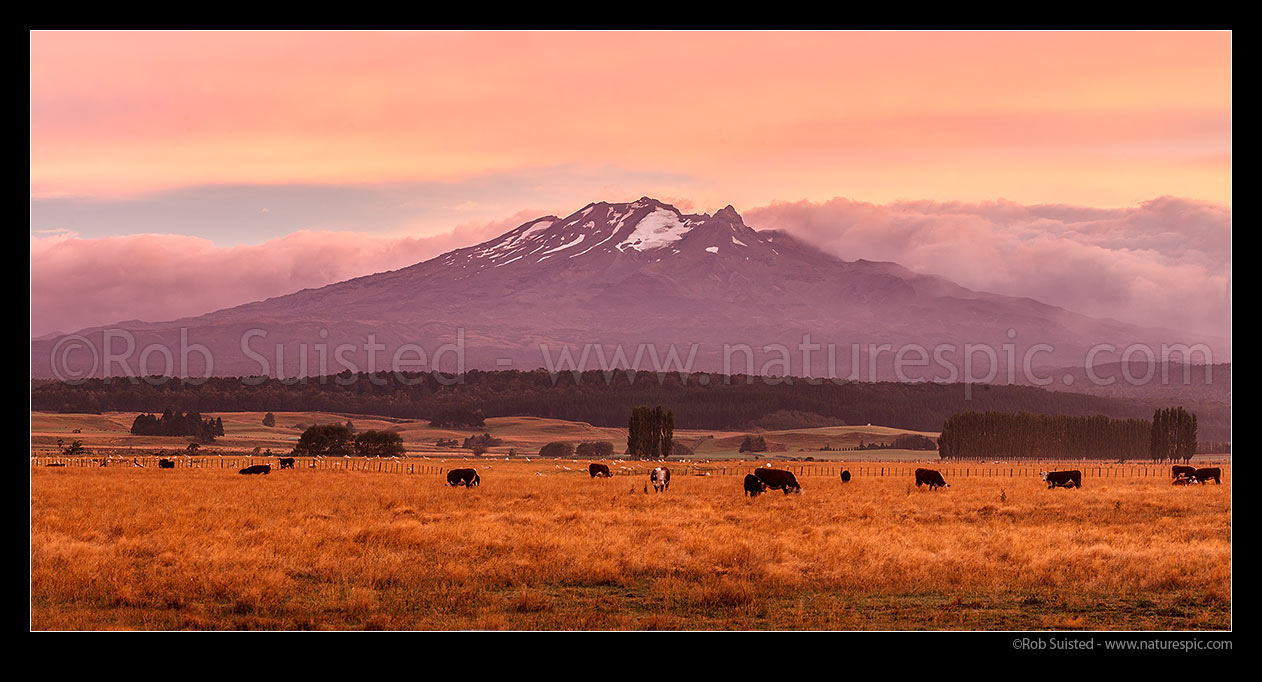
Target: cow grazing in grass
166	464
1184	480
598	470
779	479
257	469
931	478
1203	475
286	462
660	478
1178	471
754	486
845	476
465	477
1062	479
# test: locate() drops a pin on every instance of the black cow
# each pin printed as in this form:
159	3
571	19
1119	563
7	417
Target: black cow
753	486
166	464
845	476
779	479
1203	475
257	469
931	478
1182	471
56	464
1062	479
465	477
660	478
598	470
286	462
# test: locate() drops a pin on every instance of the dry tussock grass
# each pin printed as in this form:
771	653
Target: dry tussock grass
208	549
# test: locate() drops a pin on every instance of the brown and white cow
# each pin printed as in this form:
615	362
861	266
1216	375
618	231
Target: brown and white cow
660	478
1203	475
1178	471
1062	479
600	470
754	486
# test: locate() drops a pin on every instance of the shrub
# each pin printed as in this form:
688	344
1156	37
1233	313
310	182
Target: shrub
594	450
557	449
329	440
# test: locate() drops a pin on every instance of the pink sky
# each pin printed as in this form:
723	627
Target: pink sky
510	122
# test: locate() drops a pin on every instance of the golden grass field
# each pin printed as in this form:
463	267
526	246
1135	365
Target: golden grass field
540	547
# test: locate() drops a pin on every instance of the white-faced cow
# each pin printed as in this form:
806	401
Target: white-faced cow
1178	471
931	478
753	486
660	478
1203	475
257	469
1062	479
465	477
600	470
779	479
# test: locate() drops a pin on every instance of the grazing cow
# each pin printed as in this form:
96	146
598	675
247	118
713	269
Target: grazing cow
754	486
166	464
56	464
257	469
779	479
931	478
1203	475
465	477
1182	471
660	478
845	476
1062	479
598	470
286	462
1184	480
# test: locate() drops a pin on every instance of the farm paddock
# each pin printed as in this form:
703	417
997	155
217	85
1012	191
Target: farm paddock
542	545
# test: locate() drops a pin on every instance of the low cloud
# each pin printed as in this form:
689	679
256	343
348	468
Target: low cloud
1165	263
78	283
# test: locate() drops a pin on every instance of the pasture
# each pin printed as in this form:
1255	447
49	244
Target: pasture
541	545
244	431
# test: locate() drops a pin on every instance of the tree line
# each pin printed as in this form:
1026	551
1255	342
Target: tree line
999	435
703	401
172	423
340	440
1173	435
650	433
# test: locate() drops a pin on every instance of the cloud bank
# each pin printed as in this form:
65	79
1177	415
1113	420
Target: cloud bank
1164	263
78	283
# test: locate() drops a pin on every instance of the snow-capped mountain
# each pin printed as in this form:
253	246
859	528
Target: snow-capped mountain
641	278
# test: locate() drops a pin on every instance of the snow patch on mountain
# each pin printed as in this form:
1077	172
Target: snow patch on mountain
660	228
567	244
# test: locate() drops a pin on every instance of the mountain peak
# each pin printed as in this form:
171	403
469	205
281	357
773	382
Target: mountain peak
730	214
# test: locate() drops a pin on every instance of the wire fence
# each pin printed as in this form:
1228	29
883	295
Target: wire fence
1090	469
